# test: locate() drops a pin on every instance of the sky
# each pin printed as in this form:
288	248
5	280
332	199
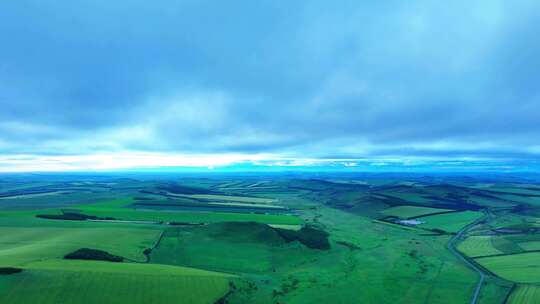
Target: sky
97	85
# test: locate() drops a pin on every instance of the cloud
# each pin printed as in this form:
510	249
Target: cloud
308	79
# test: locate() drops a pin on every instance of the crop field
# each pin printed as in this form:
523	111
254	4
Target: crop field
191	217
450	222
100	282
241	199
475	246
21	245
530	246
521	268
268	239
412	211
525	294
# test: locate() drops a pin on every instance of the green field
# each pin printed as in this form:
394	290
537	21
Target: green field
355	255
475	246
119	209
59	281
191	217
411	211
529	246
21	245
450	222
236	248
525	294
242	199
521	268
505	245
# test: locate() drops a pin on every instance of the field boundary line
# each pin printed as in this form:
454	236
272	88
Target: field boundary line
154	246
430	214
505	254
512	289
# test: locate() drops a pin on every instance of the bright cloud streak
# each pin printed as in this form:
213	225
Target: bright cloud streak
116	161
159	161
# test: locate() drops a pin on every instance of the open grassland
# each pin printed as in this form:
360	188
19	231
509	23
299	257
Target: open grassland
358	266
102	282
236	247
450	222
525	294
411	211
520	268
418	267
475	246
368	261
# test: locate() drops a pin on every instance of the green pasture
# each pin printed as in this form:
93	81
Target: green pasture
520	268
103	282
525	294
236	247
190	217
232	198
494	290
21	245
411	211
117	208
474	246
368	261
530	246
505	244
450	222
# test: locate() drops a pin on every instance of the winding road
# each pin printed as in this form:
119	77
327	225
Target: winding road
452	247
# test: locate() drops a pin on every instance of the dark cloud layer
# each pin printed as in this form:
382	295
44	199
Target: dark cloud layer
302	78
